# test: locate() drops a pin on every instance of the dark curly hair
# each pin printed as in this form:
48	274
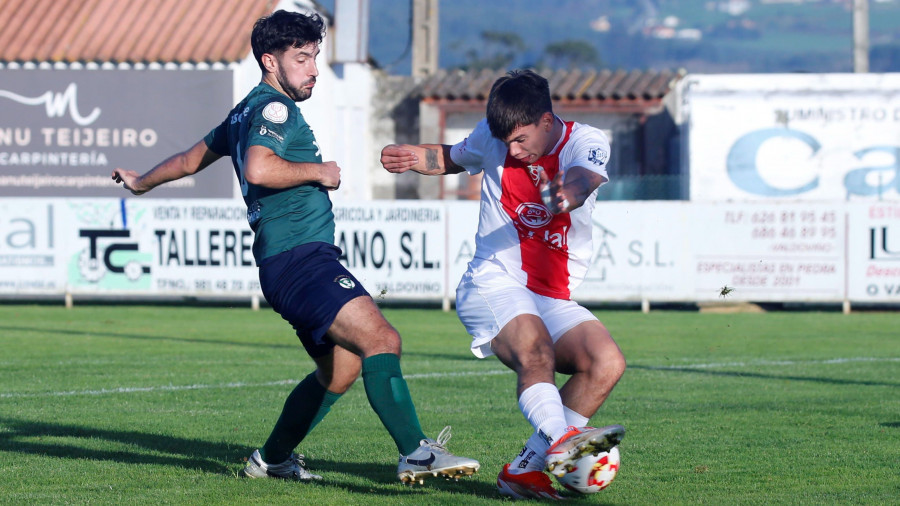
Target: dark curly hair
282	29
517	99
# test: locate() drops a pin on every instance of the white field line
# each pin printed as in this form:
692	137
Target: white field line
772	363
492	372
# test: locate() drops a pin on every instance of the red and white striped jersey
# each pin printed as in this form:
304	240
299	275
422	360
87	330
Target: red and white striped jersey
547	253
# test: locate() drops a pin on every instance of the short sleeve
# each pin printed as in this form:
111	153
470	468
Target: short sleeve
271	123
217	139
590	149
471	151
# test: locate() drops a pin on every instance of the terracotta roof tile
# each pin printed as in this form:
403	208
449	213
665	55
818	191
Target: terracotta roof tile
565	85
132	31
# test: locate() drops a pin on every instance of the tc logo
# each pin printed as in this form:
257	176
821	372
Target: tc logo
90	265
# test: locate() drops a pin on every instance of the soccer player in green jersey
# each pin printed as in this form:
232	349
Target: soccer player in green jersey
285	185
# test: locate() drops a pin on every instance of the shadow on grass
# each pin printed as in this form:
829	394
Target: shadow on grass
294	345
757	375
40	438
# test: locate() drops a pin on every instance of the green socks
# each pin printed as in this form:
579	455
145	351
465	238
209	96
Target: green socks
303	410
310	402
389	397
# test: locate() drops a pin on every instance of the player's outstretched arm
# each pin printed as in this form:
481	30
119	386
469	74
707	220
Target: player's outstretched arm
177	166
427	159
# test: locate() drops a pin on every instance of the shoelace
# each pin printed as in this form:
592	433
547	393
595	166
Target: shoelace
442	439
297	458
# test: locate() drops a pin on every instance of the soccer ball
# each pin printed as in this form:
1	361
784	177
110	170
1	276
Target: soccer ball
592	473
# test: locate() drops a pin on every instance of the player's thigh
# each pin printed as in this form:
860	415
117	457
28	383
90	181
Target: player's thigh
308	287
360	327
524	343
587	347
487	302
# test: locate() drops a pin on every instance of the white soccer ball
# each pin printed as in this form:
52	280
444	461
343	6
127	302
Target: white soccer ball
592	473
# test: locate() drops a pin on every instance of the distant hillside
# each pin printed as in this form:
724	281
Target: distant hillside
700	35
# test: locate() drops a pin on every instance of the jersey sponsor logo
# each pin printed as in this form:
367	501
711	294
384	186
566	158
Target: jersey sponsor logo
557	240
265	131
238	117
276	112
598	156
533	215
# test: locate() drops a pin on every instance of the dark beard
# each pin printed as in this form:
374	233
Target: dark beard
295	94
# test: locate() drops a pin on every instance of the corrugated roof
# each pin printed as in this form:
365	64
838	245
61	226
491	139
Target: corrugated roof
639	86
128	31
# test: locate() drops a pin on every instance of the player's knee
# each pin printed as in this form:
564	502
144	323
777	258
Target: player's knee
340	385
341	380
537	358
617	364
385	340
608	366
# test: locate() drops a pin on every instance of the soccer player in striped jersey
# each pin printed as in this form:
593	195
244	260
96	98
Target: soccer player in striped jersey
540	181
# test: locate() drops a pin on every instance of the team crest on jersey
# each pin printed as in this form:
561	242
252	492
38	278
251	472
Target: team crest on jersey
534	172
345	282
276	112
598	156
533	215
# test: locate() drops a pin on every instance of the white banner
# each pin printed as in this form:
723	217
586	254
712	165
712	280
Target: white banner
768	252
641	252
164	247
874	252
30	259
396	249
792	136
418	250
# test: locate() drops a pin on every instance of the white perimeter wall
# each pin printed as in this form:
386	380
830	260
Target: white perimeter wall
417	250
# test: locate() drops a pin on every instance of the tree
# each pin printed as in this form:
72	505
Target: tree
497	51
570	54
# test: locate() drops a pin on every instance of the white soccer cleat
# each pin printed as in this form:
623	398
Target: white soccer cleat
431	459
578	442
291	469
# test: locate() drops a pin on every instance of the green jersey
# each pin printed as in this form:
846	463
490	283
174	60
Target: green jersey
280	218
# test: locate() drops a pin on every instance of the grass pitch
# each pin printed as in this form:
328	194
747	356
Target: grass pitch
161	405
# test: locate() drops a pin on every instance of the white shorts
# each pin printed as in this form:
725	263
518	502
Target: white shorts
488	298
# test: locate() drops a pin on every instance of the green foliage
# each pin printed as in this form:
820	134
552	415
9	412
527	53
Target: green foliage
160	405
570	54
496	52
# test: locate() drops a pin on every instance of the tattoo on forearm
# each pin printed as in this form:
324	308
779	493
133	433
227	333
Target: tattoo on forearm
431	160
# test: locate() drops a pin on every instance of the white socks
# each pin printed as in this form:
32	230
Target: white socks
542	406
574	419
531	458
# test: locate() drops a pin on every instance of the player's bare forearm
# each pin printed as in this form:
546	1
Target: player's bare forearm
426	159
579	184
175	167
569	189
